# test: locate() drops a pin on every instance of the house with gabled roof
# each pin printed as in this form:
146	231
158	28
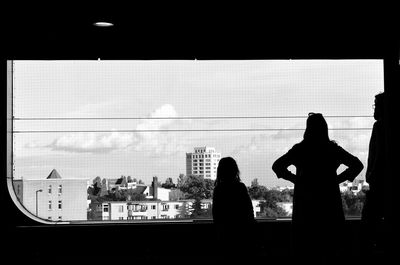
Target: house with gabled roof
54	198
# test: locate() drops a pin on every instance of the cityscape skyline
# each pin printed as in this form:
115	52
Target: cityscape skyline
163	105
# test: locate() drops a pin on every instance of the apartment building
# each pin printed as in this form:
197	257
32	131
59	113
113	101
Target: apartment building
203	162
146	210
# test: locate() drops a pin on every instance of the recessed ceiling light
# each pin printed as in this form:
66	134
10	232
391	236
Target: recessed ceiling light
103	24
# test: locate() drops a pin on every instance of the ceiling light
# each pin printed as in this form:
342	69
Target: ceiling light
103	24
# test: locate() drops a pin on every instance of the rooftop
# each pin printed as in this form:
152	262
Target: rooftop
54	175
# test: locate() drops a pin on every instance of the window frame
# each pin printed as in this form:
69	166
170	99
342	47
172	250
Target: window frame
9	156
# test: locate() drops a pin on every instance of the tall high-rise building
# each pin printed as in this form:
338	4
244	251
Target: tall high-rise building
203	162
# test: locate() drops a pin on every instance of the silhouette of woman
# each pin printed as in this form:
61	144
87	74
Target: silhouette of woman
318	217
232	210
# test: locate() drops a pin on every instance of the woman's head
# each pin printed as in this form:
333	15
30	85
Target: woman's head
317	128
227	170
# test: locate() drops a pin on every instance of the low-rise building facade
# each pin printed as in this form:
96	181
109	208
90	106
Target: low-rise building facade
147	210
54	198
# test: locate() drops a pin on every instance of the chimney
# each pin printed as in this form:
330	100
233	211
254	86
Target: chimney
155	187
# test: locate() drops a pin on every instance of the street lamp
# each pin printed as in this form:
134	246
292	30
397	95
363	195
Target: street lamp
37	201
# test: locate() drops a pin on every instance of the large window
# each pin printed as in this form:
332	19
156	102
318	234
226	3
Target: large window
105	132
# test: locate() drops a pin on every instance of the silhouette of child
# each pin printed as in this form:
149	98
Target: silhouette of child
232	211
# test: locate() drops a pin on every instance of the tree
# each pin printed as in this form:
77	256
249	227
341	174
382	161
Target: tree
124	182
93	190
93	213
129	179
104	189
353	203
209	185
273	196
287	195
118	196
97	180
269	206
257	191
181	180
168	184
185	210
176	194
254	183
197	210
194	187
132	195
272	212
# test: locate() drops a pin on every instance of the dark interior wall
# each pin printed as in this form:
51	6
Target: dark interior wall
40	31
42	35
173	243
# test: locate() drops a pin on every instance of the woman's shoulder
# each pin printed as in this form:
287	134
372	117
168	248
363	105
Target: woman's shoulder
335	146
237	185
224	190
242	185
242	188
335	150
298	147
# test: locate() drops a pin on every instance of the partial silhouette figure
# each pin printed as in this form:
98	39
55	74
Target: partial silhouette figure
373	210
318	217
232	211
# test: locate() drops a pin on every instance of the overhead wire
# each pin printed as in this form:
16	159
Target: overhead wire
182	118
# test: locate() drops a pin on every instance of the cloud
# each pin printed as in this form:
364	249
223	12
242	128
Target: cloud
353	122
290	133
153	142
160	143
356	140
165	111
92	142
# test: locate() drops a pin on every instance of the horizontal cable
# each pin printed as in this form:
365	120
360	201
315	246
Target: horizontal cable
188	130
185	118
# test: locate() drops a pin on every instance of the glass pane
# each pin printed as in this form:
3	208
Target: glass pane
118	140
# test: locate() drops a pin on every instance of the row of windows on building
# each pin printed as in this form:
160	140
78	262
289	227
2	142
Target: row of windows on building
138	208
202	172
50	218
206	156
50	189
200	168
50	205
202	160
202	164
143	217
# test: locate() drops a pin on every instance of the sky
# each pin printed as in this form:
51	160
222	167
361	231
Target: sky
251	110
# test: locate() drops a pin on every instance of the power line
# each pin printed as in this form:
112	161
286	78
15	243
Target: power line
187	130
183	118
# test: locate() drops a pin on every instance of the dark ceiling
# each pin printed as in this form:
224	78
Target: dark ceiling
148	33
